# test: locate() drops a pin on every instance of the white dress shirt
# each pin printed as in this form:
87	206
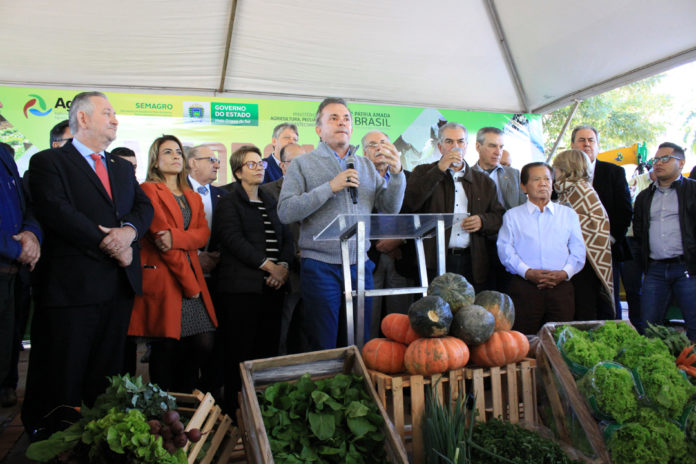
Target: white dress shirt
207	200
549	240
459	238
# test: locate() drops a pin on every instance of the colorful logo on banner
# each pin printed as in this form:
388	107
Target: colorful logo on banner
42	104
196	112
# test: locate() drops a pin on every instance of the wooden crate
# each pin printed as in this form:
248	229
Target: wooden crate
258	374
570	416
507	393
217	429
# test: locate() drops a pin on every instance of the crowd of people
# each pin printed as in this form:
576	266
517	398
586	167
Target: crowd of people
211	276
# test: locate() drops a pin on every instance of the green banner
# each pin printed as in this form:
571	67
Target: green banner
227	123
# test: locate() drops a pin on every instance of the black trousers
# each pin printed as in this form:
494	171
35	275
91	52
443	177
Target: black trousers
250	329
7	322
73	351
589	301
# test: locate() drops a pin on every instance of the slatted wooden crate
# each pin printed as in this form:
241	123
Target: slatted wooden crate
258	374
220	440
570	416
507	393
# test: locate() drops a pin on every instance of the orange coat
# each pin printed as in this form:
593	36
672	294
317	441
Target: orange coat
168	276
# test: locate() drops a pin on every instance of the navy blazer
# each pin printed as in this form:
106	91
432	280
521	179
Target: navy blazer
29	222
610	184
273	171
71	202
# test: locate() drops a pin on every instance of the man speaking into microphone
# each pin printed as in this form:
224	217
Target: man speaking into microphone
318	186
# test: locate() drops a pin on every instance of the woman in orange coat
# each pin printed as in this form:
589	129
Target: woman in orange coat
175	311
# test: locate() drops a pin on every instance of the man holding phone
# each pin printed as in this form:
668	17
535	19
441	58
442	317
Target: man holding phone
451	186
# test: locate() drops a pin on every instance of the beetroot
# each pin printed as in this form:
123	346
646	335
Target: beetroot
170	417
194	435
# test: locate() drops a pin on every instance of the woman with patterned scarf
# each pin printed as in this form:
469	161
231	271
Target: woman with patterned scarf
594	285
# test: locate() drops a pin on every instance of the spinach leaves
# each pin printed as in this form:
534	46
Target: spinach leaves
328	421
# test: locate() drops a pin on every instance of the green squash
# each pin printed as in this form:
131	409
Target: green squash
430	316
500	305
473	324
454	289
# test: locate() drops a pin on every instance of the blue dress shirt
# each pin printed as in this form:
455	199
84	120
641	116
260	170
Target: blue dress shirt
85	152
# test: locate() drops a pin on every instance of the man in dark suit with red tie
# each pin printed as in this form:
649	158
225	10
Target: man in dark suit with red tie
609	180
93	213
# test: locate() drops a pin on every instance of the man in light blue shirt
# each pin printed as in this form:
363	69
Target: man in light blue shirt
541	244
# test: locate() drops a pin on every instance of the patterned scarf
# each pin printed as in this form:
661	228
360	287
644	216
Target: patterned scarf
594	223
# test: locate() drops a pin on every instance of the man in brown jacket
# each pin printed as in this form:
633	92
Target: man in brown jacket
451	186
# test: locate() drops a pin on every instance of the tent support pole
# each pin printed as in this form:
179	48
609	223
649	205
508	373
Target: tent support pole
563	129
509	61
226	56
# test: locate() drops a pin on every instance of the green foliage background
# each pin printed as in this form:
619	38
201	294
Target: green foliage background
632	113
13	137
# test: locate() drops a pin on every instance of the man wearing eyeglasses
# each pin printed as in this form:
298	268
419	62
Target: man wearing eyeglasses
203	167
387	254
451	186
609	181
283	134
60	134
664	223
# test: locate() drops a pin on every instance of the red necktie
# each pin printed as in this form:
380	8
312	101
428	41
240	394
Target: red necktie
101	173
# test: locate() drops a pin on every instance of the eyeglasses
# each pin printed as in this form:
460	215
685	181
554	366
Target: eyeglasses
663	159
212	159
372	145
254	165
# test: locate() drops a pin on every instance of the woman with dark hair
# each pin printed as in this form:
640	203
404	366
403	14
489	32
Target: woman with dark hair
594	284
175	311
255	249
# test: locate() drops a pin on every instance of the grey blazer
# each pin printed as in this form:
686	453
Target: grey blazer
509	184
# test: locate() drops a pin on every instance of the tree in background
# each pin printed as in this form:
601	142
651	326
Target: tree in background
13	137
690	132
632	113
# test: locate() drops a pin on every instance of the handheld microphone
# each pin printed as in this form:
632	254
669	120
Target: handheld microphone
350	164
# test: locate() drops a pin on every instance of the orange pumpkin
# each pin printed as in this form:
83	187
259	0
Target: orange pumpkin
426	356
504	347
457	351
523	343
384	355
398	328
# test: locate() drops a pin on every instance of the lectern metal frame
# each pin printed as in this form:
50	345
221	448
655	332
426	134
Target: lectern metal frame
424	226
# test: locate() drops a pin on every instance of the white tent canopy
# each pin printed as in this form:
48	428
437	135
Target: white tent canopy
492	55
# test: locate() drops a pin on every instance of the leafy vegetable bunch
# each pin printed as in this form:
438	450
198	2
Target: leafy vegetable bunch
128	393
676	340
505	442
578	347
651	434
451	436
664	385
611	390
115	426
332	420
650	358
650	439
